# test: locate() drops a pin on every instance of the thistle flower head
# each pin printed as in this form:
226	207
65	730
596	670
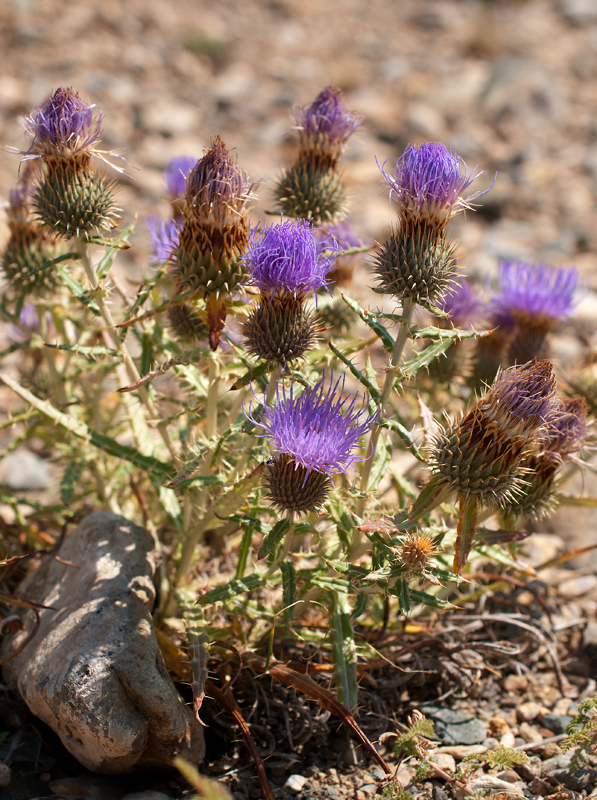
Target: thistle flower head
463	305
327	120
563	437
216	186
482	457
30	245
416	262
429	182
536	295
286	257
164	236
214	232
568	431
315	436
417	551
522	396
176	173
64	125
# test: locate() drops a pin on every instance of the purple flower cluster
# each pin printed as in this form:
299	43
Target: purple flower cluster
63	125
176	173
429	180
536	290
319	429
463	305
287	258
164	236
327	117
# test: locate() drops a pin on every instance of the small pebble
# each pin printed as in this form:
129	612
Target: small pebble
530	769
498	727
508	739
368	788
562	706
527	712
548	750
530	733
575	587
295	783
515	683
446	761
509	775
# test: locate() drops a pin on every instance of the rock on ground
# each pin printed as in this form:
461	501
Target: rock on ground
93	671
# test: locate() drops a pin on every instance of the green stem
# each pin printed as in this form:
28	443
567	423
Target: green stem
55	378
211	414
401	339
284	550
131	369
273	382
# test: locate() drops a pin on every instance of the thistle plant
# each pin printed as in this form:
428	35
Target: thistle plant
313	188
313	490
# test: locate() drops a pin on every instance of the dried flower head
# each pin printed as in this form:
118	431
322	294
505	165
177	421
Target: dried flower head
482	456
429	183
417	551
315	435
214	232
562	440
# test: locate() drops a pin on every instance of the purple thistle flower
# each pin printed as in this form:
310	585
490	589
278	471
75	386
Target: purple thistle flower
164	236
319	429
566	434
63	125
176	173
429	181
463	305
287	258
536	293
525	393
327	119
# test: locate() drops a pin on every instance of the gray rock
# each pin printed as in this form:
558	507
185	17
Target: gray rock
556	723
456	727
94	672
530	769
23	470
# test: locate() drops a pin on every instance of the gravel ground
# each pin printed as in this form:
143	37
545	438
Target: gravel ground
511	86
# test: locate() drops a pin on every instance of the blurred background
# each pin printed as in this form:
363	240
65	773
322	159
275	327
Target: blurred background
511	85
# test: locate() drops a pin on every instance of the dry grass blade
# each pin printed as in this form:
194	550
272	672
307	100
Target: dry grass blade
227	701
303	683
